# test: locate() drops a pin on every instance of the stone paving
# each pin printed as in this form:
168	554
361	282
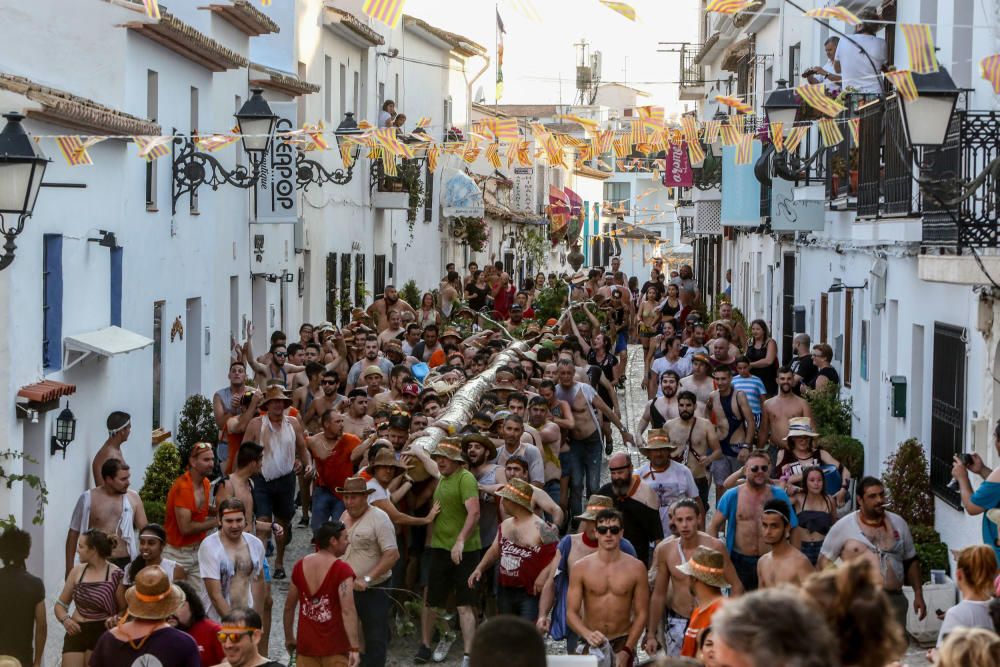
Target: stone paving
402	649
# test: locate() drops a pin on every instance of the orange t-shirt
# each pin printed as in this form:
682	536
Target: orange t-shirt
182	495
437	358
700	619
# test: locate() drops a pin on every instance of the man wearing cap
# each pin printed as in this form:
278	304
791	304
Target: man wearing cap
186	516
525	546
455	545
357	421
371	553
231	564
706	573
119	428
151	601
669	480
390	301
700	442
783	564
637	502
285	453
384	468
371	358
374	378
331	450
777	412
516	318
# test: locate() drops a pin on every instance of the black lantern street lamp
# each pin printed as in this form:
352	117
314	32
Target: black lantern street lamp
928	117
65	431
782	105
22	166
193	168
309	172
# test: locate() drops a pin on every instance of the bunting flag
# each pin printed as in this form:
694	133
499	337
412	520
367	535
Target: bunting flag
315	133
727	6
778	136
524	153
814	94
213	142
622	8
604	139
696	154
588	124
346	155
651	118
526	8
388	161
854	125
501	31
364	125
433	153
830	132
554	151
423	122
493	155
739	122
735	103
621	145
920	46
152	9
455	147
74	149
711	130
839	13
902	79
503	129
585	155
730	136
151	147
385	11
989	69
387	138
638	133
794	138
471	153
744	149
690	127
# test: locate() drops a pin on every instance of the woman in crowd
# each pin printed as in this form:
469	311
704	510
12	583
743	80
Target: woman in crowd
190	617
428	312
672	304
477	292
816	511
762	351
975	571
92	588
970	647
152	539
706	648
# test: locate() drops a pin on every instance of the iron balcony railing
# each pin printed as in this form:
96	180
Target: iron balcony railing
692	74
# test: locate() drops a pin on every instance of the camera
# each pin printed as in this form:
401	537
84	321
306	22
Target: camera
967	460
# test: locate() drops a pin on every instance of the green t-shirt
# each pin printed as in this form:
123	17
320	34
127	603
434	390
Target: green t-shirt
452	492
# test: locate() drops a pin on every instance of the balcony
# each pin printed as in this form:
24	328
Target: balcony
692	83
394	192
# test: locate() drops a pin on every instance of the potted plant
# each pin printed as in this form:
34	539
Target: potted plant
838	172
195	424
160	476
853	169
473	232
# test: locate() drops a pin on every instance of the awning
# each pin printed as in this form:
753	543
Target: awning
106	342
42	396
460	196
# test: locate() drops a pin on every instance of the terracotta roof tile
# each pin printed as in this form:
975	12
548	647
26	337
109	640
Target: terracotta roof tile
190	43
246	17
355	25
46	390
286	83
528	110
463	45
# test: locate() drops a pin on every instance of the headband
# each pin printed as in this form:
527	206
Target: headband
151	534
113	431
779	513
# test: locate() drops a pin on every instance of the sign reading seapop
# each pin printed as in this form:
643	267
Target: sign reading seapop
274	194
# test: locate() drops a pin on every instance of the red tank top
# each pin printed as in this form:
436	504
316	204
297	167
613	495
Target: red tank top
335	468
520	566
321	627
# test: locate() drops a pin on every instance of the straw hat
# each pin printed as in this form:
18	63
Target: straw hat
386	457
449	448
276	392
153	597
658	439
800	427
504	385
354	485
518	492
373	370
595	504
450	332
483	440
706	565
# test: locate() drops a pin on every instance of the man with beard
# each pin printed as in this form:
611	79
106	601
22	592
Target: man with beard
277	367
480	452
551	441
883	538
669	480
670	361
331	450
113	509
541	503
778	411
685	280
412	338
740	509
672	590
512	430
637	503
701	442
357	421
694	341
802	363
734	425
699	382
663	408
371	358
228	403
398	376
783	564
231	563
328	399
516	317
390	301
428	345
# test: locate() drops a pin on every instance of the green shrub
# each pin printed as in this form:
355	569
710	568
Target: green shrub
196	424
908	484
550	301
932	552
160	476
410	294
849	451
831	415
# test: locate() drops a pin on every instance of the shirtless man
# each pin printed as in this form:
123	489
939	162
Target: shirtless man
112	508
276	368
329	398
239	485
357	421
700	439
783	564
380	309
394	329
562	415
550	437
585	440
734	425
542	503
777	411
699	382
612	591
231	563
671	592
662	408
740	509
882	537
119	428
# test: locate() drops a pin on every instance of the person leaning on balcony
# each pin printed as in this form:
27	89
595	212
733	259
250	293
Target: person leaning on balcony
829	73
985	498
858	53
387	113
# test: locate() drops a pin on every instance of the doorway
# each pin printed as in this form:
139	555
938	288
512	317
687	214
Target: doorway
788	306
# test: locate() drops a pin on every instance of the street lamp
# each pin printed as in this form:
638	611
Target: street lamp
928	116
65	431
839	286
782	105
309	172
22	166
193	168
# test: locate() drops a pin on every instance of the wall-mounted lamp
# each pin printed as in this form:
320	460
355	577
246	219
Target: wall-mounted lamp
65	431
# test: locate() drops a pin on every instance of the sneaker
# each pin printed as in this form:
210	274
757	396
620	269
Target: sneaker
423	655
443	646
608	447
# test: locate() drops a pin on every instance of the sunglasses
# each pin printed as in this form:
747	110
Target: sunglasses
604	530
759	468
232	636
281	354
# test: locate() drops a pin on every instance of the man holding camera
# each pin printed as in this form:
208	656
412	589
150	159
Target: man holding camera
986	499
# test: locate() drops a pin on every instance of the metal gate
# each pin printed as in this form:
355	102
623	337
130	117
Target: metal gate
947	407
379	278
331	287
788	307
345	288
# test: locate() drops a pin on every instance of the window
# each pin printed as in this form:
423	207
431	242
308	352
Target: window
428	193
396	93
848	336
618	196
234	308
331	287
152	111
343	91
356	99
824	308
359	281
794	64
345	288
158	308
327	88
52	296
116	286
381	95
194	125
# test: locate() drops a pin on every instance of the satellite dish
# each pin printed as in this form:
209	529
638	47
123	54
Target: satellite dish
480	95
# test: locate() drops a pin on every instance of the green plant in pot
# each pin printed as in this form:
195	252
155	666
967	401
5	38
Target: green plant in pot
196	424
160	476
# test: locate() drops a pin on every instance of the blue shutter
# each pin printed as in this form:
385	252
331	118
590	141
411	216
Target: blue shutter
116	287
52	298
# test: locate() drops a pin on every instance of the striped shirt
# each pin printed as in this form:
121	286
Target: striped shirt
753	388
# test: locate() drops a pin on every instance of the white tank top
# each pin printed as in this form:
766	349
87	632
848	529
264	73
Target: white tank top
279	448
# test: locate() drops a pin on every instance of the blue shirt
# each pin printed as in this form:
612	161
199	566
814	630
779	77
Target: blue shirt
729	502
753	388
987	496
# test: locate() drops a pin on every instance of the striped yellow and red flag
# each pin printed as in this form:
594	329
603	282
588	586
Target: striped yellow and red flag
794	138
588	124
920	46
315	133
386	136
493	155
710	130
388	160
433	153
739	122
622	8
152	147
778	136
839	13
695	152
604	139
385	11
524	153
152	9
346	153
74	151
638	133
424	121
455	147
214	142
538	130
471	153
902	80
585	155
814	94
735	103
651	118
730	135
505	130
621	144
989	69
830	132
744	149
854	125
727	6
554	151
364	125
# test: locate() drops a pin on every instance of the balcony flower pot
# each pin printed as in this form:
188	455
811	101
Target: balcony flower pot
854	181
936	596
835	184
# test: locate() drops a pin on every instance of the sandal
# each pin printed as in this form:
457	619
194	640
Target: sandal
278	574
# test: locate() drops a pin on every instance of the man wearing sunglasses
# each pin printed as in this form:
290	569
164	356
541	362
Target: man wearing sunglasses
240	636
740	510
608	598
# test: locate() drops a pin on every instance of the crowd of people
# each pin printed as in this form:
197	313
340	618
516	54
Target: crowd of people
449	462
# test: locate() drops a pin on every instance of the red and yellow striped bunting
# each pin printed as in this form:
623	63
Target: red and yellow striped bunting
735	103
744	149
214	142
839	13
622	8
493	155
696	154
902	79
74	149
815	96
830	132
151	147
152	8
777	136
471	153
730	135
854	125
651	118
727	6
989	69
710	130
794	138
385	11
433	153
920	46
604	140
424	121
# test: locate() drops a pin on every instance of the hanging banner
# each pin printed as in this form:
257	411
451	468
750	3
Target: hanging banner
678	173
460	196
741	193
274	193
523	198
789	214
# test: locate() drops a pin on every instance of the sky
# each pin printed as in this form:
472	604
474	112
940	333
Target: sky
536	54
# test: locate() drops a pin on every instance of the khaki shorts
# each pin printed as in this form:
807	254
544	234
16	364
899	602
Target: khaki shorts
325	661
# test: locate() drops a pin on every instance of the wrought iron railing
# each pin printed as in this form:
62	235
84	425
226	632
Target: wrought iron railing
692	74
885	164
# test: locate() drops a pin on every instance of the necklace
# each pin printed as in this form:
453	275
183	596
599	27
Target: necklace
877	524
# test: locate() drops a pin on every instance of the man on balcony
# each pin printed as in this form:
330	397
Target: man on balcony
828	74
862	57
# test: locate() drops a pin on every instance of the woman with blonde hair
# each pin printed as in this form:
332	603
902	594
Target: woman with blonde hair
970	647
976	568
